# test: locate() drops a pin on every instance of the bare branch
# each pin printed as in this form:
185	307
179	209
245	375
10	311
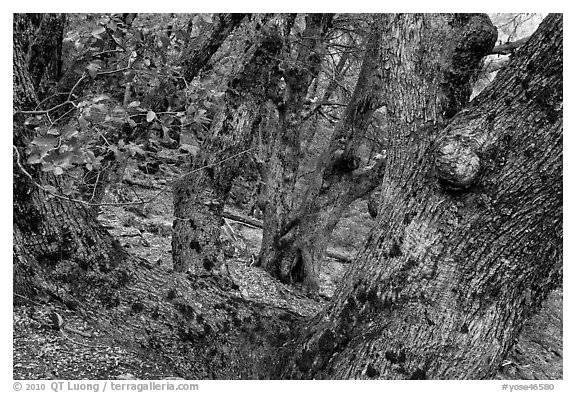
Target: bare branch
44	112
509	47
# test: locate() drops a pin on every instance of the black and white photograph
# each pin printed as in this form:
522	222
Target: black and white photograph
286	196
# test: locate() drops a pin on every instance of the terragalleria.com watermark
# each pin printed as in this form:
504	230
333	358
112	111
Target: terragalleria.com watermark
110	386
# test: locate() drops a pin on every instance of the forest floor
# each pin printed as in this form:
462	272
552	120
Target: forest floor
42	352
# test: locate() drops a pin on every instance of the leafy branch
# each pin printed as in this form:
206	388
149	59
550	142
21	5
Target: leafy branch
52	192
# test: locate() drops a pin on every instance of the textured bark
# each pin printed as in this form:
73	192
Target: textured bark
468	241
420	68
50	236
305	243
286	153
44	52
199	197
202	327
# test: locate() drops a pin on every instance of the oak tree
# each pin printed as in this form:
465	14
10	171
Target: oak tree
467	245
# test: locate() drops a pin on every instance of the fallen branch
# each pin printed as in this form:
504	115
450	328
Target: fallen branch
339	256
241	218
255	223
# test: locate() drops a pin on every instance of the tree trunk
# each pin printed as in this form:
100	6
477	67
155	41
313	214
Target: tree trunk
286	154
199	197
50	235
46	66
468	242
195	58
426	77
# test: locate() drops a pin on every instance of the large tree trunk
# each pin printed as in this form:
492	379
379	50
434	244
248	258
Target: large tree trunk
199	196
288	256
50	234
468	241
420	67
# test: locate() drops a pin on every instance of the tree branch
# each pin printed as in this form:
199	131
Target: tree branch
509	47
44	112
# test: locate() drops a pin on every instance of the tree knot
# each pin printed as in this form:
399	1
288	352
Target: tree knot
457	164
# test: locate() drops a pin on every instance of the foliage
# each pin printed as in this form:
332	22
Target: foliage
123	59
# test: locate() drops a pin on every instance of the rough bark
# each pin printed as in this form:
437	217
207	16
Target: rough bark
439	292
50	235
468	241
199	197
306	242
420	68
45	66
286	153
